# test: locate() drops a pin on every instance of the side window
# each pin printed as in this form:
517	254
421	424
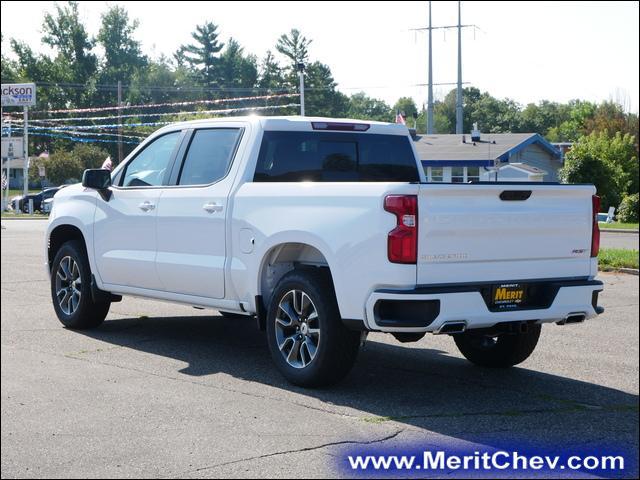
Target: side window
209	156
148	168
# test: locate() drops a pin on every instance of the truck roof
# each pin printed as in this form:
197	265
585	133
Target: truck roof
294	123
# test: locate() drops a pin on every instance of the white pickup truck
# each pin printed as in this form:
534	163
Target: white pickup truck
324	230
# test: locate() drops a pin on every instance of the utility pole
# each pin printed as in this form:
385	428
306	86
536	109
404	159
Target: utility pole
301	77
459	88
119	121
430	90
459	83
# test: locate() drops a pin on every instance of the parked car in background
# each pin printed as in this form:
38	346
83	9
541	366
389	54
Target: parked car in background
38	199
47	205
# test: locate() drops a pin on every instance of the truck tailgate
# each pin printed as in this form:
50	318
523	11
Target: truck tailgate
468	233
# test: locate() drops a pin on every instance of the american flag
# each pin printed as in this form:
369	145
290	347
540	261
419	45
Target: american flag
400	118
5	184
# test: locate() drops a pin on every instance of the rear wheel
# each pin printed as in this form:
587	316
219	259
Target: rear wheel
309	343
71	289
498	351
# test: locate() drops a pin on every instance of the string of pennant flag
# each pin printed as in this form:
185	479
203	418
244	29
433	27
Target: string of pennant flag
87	133
167	104
82	139
163	114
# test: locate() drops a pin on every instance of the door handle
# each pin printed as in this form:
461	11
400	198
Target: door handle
212	207
146	206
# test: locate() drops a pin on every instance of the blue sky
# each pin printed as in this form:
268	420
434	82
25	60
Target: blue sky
527	51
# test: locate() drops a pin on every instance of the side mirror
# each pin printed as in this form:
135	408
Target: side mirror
98	179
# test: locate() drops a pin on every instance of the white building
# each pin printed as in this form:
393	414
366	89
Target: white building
515	172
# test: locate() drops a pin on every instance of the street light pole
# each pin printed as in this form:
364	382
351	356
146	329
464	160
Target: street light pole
300	67
25	138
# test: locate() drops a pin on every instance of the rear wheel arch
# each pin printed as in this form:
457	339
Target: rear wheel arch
283	258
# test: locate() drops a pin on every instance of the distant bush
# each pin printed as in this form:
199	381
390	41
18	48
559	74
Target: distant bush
628	209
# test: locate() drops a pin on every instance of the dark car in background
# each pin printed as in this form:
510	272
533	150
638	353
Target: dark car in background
38	199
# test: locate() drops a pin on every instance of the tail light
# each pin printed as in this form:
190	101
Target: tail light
402	242
595	228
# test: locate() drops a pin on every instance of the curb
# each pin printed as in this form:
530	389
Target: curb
630	271
627	271
618	230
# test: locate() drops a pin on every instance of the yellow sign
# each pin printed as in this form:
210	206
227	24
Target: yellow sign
508	294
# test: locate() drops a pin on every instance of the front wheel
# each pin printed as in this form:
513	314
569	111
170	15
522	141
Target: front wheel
502	351
71	289
309	343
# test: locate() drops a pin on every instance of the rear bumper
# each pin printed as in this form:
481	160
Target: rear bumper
401	310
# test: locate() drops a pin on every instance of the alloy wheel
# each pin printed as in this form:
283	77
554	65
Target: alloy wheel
68	285
297	328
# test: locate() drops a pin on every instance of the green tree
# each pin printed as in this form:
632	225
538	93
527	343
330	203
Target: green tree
236	70
586	168
608	161
295	47
628	210
65	32
89	156
122	52
406	106
202	56
8	71
364	107
271	77
62	167
321	96
30	66
610	117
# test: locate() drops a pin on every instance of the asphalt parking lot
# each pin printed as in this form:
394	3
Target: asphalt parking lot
161	390
627	240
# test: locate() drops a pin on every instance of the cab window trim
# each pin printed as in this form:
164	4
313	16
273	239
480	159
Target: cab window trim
182	157
167	176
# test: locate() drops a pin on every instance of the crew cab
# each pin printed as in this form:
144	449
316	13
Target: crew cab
324	230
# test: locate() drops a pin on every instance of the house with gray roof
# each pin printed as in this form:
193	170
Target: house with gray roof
465	158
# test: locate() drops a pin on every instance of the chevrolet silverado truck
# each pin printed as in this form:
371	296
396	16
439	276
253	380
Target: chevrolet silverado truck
324	230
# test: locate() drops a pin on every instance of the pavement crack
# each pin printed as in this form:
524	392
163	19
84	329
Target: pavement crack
193	382
297	450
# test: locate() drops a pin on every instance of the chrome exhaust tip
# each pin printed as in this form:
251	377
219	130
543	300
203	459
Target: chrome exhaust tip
451	328
572	318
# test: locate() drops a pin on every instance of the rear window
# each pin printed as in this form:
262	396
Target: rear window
335	157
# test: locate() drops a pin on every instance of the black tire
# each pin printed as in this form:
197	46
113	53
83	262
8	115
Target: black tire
337	346
498	352
87	313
